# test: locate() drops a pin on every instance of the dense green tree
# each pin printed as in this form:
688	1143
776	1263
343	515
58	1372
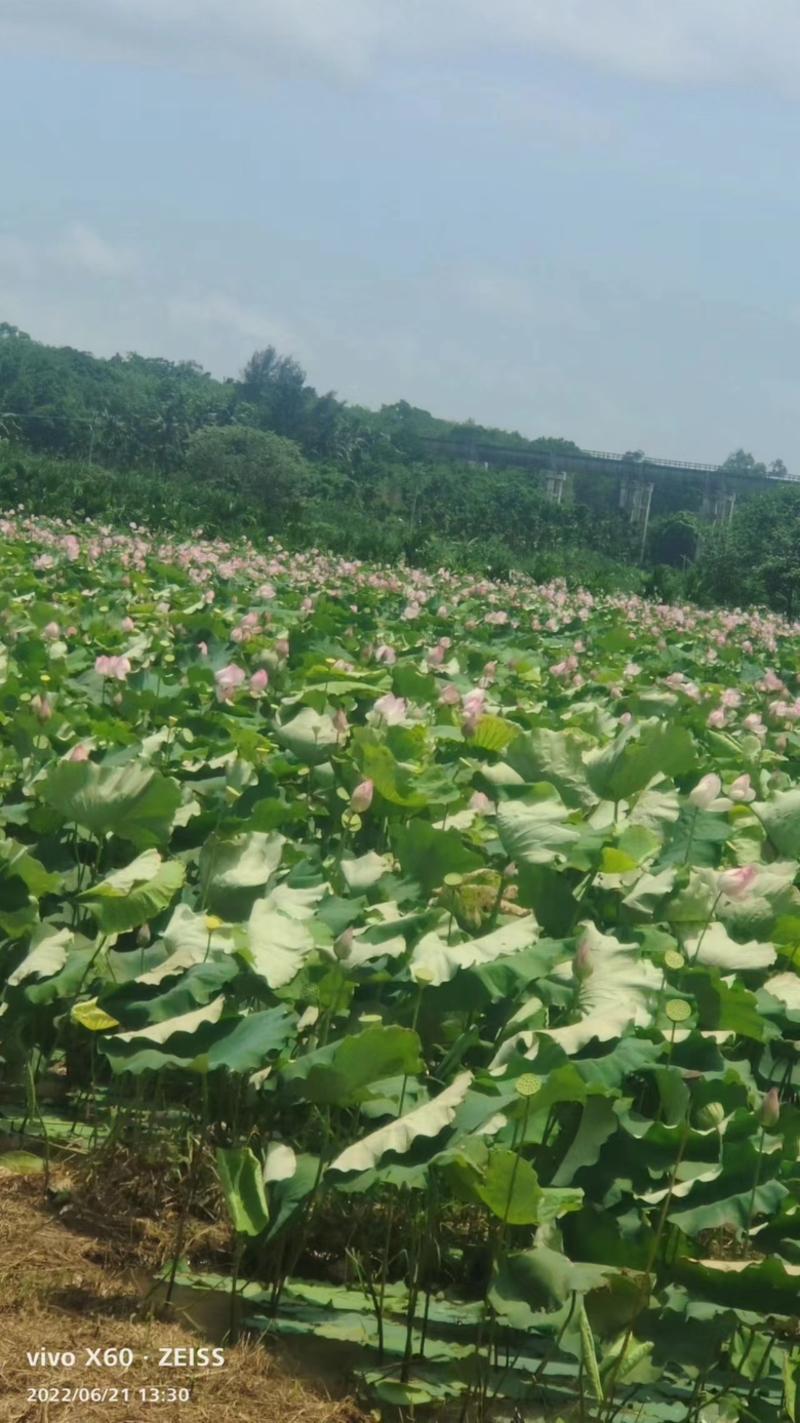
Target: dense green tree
673	538
236	472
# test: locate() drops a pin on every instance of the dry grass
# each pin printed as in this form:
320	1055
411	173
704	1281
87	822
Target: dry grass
60	1288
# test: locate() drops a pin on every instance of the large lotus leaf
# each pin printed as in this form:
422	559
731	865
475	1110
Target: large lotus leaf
542	1279
640	752
16	860
242	1182
656	808
46	956
288	1195
618	993
780	817
160	1032
695	838
233	871
362	872
401	783
133	801
310	736
435	961
243	1045
765	1287
535	832
427	854
342	1073
240	1045
277	945
556	757
786	988
136	894
598	1123
714	946
493	733
399	1136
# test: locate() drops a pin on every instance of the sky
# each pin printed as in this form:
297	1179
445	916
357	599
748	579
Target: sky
576	218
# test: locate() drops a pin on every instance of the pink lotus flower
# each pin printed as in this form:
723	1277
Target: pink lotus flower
741	789
391	709
385	654
79	753
259	681
282	646
473	708
736	884
115	668
128	625
51	632
340	721
361	799
202	648
450	695
481	804
227	680
716	719
706	794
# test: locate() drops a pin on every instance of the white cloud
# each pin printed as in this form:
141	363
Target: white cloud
83	248
217	312
750	41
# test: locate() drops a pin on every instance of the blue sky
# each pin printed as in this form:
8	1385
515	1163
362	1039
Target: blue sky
575	218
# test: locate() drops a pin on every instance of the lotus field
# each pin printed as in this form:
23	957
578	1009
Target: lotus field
449	929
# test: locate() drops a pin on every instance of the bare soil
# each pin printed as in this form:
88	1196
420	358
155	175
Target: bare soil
65	1286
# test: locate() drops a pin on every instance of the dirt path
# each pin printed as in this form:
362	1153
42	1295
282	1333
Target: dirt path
59	1291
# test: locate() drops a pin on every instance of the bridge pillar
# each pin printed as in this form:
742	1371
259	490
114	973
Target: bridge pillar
555	481
718	502
635	497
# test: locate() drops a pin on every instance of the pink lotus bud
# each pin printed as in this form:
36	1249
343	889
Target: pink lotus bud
582	966
51	631
736	884
79	753
361	799
41	707
705	791
716	719
741	789
202	648
482	804
237	634
340	721
282	646
770	1109
259	681
128	625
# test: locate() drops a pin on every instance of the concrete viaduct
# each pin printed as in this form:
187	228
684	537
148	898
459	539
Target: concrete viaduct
637	477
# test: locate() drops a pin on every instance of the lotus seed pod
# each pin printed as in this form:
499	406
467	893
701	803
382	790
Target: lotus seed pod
527	1085
710	1116
770	1108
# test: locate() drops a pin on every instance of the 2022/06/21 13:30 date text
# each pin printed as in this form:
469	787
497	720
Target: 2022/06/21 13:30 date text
110	1393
